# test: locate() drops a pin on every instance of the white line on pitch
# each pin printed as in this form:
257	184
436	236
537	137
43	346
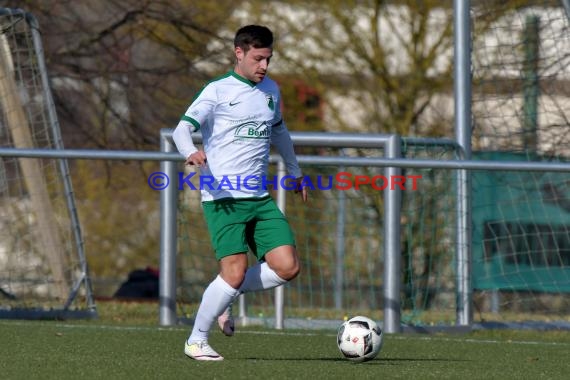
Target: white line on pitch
291	333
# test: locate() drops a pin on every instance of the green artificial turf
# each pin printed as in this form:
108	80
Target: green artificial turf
93	350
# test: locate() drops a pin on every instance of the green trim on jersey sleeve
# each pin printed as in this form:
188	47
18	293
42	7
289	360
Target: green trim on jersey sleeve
192	121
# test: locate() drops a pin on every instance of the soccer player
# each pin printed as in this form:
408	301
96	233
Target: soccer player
239	116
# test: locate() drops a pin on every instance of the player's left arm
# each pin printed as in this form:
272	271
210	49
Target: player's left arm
281	139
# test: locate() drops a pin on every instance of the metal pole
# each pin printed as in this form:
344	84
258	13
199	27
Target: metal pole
168	236
566	4
63	168
392	250
462	93
93	154
340	243
242	310
279	291
531	89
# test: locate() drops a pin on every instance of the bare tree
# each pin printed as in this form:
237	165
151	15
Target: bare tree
388	60
123	69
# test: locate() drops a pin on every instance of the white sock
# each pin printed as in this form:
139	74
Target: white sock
260	277
216	298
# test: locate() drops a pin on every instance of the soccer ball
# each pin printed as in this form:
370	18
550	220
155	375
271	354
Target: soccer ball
359	339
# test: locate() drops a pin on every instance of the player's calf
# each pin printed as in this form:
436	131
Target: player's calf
226	322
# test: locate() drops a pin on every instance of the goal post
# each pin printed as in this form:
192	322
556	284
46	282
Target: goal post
44	270
521	103
48	238
381	242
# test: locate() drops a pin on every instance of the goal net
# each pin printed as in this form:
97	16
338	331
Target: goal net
43	271
521	112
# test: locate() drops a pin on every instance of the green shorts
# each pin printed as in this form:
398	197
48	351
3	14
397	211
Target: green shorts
238	224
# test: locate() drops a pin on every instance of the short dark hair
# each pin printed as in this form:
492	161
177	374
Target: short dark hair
256	36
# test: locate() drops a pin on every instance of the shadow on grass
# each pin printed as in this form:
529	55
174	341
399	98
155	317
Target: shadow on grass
377	361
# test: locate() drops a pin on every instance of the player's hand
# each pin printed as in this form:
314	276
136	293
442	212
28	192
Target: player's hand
300	189
197	158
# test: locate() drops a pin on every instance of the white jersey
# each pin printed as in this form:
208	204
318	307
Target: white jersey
238	120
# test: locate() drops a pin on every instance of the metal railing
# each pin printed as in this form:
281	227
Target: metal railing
391	144
391	161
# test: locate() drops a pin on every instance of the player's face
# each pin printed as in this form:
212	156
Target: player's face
253	64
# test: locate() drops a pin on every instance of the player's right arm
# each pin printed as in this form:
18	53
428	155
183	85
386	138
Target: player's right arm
195	117
182	137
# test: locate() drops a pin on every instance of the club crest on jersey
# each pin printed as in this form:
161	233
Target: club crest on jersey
270	102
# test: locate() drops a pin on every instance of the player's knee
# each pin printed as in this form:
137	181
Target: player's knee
285	262
291	271
234	277
295	270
